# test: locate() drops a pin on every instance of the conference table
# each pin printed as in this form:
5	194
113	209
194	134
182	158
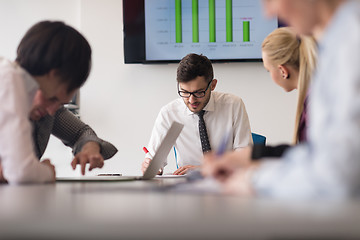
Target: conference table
155	209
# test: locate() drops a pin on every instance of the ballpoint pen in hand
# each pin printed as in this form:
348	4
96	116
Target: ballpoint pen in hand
221	150
149	154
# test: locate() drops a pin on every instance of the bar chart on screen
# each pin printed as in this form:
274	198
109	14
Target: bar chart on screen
219	29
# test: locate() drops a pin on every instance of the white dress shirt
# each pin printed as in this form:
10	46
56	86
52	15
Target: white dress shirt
19	163
224	113
329	164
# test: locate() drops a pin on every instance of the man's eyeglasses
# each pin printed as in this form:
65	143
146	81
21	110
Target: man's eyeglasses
197	94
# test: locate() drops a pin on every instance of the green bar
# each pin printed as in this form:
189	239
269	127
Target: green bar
246	31
195	20
178	25
229	22
212	35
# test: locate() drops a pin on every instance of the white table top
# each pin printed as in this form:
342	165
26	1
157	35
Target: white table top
139	210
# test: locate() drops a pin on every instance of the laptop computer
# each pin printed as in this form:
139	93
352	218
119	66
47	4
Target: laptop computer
156	163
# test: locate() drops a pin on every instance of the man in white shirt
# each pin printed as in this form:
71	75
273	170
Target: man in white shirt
54	58
208	116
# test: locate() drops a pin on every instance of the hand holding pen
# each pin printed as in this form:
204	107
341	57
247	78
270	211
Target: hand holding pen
223	144
222	165
147	160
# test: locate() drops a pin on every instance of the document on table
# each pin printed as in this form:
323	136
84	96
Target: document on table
170	176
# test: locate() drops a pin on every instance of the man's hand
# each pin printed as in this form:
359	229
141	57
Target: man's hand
47	162
90	153
184	169
145	165
224	166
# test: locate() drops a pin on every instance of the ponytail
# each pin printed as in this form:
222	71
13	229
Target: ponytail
307	50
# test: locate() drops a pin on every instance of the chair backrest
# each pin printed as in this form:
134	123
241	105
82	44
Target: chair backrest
258	139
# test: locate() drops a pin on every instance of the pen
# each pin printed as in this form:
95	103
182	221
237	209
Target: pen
223	144
147	152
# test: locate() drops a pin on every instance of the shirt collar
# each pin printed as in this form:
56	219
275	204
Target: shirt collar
30	84
210	106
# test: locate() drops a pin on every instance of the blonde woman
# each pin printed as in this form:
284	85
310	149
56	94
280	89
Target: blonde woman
290	60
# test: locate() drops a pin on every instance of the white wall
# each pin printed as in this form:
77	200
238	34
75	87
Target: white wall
17	16
121	101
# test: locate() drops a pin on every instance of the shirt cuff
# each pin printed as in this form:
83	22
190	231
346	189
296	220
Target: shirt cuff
107	150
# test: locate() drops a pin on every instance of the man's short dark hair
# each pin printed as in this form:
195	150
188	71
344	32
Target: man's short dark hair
54	45
193	66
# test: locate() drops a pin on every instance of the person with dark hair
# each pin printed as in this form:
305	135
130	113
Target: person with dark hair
55	59
207	116
54	46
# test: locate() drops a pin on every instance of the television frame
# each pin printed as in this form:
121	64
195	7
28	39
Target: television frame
134	36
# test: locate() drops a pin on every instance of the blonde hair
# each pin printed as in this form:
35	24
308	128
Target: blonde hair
283	47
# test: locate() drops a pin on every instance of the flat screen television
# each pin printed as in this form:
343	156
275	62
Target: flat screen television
157	31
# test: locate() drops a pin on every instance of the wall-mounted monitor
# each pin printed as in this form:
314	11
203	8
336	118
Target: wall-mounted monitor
167	30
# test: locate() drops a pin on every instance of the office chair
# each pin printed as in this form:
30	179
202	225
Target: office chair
258	139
